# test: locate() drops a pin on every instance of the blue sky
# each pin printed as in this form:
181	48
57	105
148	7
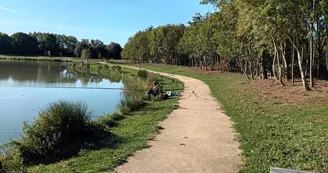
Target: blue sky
106	20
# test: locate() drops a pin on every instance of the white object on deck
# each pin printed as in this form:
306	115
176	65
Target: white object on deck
280	170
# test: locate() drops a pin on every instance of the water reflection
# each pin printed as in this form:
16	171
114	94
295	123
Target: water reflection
31	72
27	74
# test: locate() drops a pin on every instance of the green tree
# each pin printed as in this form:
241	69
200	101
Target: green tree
86	54
114	50
6	46
99	49
24	44
130	52
84	44
66	44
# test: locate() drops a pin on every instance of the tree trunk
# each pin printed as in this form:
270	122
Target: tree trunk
243	68
257	68
305	84
280	70
327	60
217	61
311	46
273	66
278	62
318	68
205	63
283	55
251	70
264	70
311	56
293	59
193	61
319	47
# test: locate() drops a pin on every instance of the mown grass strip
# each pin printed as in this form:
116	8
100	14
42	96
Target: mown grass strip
271	134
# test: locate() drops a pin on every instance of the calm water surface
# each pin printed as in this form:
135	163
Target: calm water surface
27	87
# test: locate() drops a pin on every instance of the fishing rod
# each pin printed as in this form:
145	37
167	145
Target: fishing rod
93	88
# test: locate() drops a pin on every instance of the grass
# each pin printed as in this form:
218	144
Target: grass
58	59
113	61
271	134
132	133
37	58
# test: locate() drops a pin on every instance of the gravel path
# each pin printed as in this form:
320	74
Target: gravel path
196	137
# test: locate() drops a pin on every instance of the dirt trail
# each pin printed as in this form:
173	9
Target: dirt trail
197	137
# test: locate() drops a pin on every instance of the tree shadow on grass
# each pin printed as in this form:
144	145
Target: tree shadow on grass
97	139
102	139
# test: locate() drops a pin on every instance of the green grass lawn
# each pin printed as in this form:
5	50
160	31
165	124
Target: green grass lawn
132	133
271	134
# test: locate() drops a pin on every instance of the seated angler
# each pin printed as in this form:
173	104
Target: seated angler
155	90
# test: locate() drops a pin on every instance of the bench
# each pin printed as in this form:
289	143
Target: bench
280	170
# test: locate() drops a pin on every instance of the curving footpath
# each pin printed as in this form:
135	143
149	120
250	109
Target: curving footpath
196	137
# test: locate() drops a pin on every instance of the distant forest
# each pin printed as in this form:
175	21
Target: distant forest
48	44
281	38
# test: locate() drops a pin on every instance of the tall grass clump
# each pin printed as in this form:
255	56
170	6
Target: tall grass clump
133	95
151	78
11	162
60	131
2	170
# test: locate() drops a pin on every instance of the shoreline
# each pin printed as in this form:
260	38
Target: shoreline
144	119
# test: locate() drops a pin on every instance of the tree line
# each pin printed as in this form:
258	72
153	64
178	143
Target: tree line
49	44
283	39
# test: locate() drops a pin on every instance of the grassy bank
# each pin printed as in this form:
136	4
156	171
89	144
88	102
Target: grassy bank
38	58
272	132
131	133
57	59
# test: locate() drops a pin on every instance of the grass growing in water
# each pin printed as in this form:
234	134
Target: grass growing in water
271	134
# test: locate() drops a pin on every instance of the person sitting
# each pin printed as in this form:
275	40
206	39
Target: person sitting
155	90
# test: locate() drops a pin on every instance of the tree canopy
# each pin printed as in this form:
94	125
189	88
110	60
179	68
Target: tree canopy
49	44
284	39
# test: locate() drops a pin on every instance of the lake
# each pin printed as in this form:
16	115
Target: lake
28	87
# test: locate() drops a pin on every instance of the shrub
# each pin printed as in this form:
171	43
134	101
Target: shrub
59	132
143	74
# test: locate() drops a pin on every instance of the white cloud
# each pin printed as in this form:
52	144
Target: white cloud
10	10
